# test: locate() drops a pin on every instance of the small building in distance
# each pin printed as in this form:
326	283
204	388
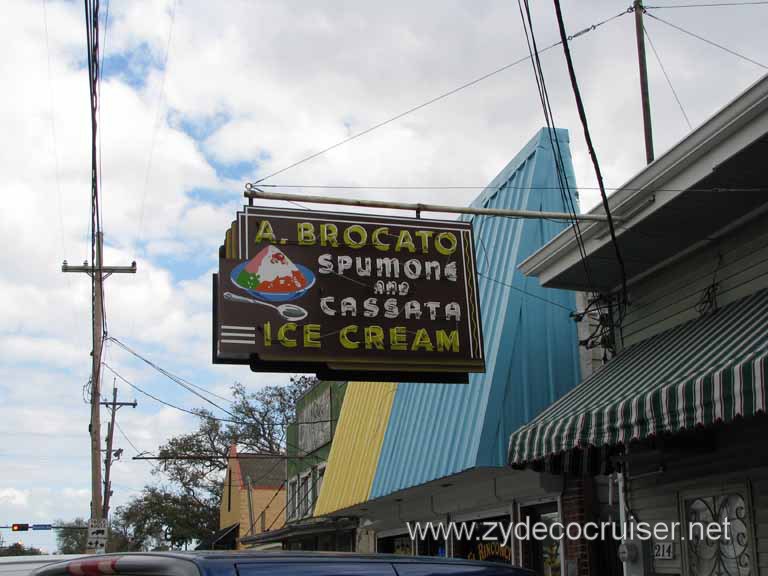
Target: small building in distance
308	446
253	498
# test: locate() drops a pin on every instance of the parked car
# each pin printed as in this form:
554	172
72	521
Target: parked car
255	563
25	565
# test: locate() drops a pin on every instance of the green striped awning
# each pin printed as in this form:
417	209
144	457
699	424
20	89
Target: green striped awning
707	370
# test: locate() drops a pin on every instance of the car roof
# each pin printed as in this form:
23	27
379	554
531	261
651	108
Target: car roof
24	565
37	558
163	562
299	555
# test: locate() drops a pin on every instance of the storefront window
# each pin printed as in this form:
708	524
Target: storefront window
400	544
542	556
304	496
480	546
292	499
431	546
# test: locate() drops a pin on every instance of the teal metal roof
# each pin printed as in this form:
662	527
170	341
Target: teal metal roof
531	345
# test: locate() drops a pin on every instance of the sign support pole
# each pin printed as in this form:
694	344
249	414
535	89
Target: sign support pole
252	191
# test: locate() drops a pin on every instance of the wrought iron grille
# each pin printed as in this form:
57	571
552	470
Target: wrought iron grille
731	556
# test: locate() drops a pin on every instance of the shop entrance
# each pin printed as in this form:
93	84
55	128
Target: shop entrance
541	555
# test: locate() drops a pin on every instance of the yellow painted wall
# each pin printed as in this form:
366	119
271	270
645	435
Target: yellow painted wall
356	446
260	499
229	515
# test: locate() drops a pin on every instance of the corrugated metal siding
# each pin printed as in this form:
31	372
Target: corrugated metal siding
531	348
356	446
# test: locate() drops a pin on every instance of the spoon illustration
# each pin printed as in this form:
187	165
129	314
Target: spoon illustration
287	311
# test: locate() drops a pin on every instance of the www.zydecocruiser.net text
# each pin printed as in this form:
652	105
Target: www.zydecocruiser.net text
505	532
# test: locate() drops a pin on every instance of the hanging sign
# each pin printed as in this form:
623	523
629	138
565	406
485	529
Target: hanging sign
344	294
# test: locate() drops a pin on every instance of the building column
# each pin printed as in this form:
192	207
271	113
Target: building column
577	500
365	541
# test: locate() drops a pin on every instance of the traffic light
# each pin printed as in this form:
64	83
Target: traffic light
19	527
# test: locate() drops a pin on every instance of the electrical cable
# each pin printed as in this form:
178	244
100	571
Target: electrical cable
532	295
160	400
431	101
101	68
593	156
710	42
669	81
712	5
138	452
53	129
564	185
180	381
233	420
156	126
167	373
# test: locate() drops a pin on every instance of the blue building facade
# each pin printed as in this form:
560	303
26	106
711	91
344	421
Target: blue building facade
530	338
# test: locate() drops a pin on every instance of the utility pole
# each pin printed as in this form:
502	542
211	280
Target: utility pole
113	406
98	272
640	32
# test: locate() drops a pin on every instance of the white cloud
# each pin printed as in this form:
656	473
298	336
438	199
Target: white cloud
14	497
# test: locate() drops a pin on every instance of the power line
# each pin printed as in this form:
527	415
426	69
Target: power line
132	445
669	81
101	67
712	5
156	125
167	373
431	101
710	42
532	295
160	400
233	420
178	380
592	154
562	177
53	124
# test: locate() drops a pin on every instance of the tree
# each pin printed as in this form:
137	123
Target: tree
18	549
186	508
71	540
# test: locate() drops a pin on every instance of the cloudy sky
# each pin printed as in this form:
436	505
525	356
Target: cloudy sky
198	98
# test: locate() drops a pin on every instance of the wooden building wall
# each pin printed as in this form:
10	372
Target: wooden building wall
703	462
738	262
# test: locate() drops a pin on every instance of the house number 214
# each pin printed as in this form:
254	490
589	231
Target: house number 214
663	550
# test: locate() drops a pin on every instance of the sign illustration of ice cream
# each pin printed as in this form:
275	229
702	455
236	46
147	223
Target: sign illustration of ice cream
330	292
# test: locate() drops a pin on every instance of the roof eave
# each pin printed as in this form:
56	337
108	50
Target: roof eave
633	201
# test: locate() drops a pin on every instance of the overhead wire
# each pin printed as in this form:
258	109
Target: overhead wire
595	163
132	445
192	388
710	5
53	127
233	420
156	125
708	41
200	414
431	101
669	80
101	68
562	177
